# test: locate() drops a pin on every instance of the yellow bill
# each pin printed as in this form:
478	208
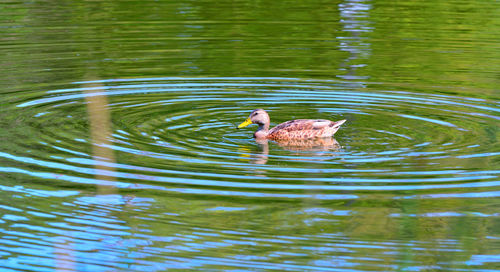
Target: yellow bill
246	123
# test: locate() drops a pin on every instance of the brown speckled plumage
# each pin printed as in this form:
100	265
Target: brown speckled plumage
295	129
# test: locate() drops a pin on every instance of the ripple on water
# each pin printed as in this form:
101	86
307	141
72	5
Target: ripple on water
177	134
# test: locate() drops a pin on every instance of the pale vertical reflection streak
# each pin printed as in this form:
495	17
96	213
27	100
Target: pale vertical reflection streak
100	132
355	20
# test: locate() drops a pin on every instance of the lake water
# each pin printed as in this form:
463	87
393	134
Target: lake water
119	151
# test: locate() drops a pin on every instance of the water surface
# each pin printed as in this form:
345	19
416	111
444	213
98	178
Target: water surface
119	149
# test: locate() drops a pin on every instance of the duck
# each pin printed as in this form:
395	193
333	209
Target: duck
294	129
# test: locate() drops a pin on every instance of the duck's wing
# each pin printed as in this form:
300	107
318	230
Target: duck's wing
293	125
301	128
303	124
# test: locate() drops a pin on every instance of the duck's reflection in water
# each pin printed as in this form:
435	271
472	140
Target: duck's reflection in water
310	145
316	147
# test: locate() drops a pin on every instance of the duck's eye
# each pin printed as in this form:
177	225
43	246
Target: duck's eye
255	114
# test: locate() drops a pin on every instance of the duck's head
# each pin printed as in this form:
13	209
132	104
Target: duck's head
259	117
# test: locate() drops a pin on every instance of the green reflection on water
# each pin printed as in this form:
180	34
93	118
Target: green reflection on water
451	44
413	46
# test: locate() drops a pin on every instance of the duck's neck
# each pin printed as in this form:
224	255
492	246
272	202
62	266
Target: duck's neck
262	131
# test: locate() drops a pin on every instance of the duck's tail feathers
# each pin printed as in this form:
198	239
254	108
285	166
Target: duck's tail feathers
338	123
